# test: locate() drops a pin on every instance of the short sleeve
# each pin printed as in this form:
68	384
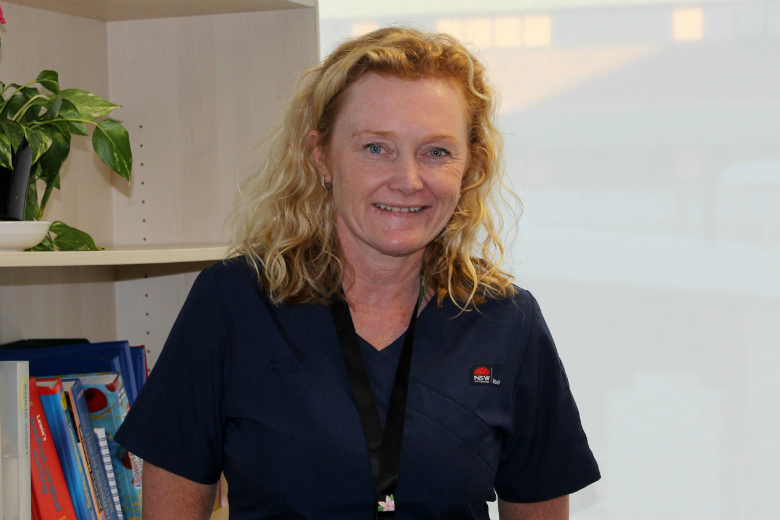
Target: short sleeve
547	455
176	422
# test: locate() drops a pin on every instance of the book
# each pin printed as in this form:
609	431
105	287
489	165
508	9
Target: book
60	418
110	356
50	495
43	343
108	407
141	367
93	462
36	515
15	439
100	435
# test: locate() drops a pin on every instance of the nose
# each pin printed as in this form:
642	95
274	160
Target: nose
407	176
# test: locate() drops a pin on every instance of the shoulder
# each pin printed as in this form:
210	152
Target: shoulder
234	268
233	272
520	309
231	283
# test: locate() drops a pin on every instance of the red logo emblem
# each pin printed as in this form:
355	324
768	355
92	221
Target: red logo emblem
482	375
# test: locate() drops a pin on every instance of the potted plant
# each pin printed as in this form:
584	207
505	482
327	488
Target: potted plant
36	130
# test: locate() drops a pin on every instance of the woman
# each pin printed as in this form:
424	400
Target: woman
290	367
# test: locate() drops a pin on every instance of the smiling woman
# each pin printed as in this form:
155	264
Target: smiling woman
300	383
396	158
296	258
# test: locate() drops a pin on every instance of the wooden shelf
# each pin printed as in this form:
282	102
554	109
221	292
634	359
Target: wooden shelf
116	10
118	255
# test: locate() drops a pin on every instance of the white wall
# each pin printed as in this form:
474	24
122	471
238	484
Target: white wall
644	140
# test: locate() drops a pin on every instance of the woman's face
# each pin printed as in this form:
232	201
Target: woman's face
398	152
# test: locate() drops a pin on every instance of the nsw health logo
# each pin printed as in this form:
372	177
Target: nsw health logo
483	375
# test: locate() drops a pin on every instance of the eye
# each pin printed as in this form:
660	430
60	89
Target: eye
438	152
374	148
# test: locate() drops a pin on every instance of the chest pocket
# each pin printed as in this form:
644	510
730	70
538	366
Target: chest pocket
480	445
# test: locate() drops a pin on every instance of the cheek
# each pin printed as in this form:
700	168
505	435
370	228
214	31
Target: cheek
449	184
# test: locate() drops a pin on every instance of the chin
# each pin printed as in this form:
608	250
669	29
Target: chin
401	248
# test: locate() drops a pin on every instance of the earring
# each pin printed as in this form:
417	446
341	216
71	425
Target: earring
326	185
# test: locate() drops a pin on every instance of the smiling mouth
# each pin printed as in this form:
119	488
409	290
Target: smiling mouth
394	209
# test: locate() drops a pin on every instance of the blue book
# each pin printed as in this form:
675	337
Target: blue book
104	501
110	356
108	407
58	413
138	355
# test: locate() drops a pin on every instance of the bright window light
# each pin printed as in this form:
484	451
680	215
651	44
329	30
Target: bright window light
508	31
688	24
537	31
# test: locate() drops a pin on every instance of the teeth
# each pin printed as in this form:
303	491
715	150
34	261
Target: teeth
398	210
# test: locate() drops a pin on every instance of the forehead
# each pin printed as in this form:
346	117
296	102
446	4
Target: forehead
390	104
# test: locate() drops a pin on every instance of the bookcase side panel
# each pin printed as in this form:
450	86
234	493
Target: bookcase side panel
199	94
76	48
57	302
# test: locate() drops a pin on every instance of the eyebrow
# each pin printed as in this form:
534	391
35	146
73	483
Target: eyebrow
380	133
387	134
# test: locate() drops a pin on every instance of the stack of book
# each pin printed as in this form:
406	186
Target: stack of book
59	411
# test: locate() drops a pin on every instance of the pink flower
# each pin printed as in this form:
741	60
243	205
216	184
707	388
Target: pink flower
2	18
388	504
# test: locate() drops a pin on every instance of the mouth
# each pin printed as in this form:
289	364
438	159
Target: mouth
395	209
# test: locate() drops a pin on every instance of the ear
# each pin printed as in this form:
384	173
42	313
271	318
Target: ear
318	152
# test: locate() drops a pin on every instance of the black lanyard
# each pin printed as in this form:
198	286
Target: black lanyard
384	448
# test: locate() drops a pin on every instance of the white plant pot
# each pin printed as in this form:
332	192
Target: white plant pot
18	236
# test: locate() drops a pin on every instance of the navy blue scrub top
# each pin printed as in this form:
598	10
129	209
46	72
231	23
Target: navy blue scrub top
261	392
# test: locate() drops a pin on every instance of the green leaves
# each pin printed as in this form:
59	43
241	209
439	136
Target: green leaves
53	106
31	210
18	100
5	152
11	135
47	122
69	111
67	239
89	105
52	160
14	131
39	142
112	144
49	80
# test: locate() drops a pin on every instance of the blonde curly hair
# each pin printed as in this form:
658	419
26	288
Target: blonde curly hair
285	223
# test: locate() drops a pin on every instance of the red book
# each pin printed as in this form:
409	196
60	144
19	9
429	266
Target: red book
50	496
34	510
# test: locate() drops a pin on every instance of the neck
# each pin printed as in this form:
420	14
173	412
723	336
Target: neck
381	282
381	290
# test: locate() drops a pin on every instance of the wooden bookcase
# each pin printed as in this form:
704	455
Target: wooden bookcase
200	82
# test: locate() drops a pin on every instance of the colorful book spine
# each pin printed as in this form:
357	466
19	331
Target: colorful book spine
140	365
93	460
108	407
15	440
55	404
50	496
100	435
36	515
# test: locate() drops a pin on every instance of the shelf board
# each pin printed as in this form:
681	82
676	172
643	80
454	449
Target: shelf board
117	255
116	10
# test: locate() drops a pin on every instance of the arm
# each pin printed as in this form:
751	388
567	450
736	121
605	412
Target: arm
555	509
168	496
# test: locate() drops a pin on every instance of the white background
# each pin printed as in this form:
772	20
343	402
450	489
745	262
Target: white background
644	140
